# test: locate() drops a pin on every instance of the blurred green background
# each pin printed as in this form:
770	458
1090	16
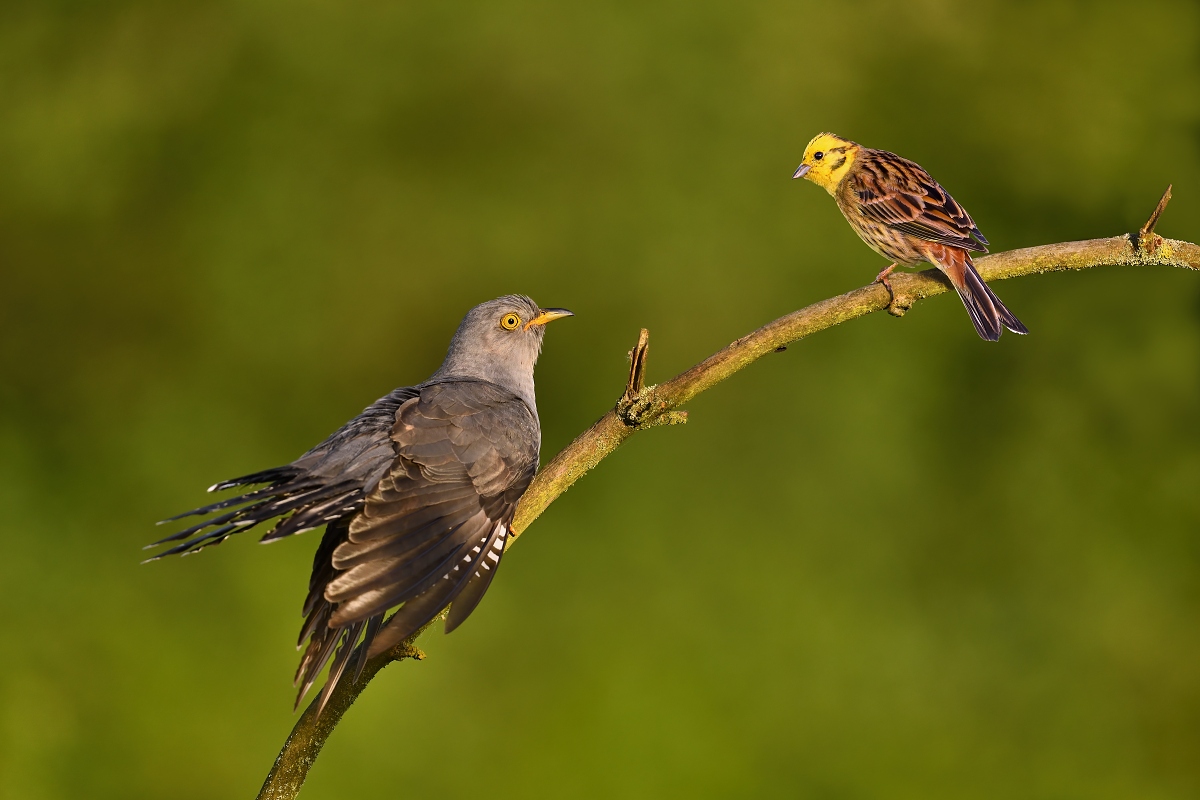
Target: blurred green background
893	562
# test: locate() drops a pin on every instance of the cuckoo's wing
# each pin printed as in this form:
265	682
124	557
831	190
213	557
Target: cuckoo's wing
432	531
900	194
326	484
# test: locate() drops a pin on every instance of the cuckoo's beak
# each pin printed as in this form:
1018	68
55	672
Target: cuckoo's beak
801	171
548	315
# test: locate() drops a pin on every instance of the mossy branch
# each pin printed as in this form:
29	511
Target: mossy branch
642	407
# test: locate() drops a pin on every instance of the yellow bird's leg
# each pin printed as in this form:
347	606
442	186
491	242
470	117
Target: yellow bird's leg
883	278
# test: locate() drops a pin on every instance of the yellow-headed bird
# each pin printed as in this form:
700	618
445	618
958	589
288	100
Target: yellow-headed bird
905	215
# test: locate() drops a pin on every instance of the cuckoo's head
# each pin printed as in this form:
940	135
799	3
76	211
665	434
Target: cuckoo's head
499	341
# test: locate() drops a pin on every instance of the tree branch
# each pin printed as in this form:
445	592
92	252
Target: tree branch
642	407
308	735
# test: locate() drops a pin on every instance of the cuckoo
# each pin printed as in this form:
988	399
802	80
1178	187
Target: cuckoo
416	494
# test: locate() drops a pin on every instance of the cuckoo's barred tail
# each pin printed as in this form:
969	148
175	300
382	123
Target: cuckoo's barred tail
989	315
325	484
308	500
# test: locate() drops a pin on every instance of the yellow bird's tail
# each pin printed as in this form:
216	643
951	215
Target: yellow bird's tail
987	312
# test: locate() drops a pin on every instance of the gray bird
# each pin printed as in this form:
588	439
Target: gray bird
417	494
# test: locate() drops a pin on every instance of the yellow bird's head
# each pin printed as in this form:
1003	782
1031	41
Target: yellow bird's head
827	159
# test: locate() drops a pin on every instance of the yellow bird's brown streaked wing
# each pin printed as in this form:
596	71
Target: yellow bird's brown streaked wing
900	194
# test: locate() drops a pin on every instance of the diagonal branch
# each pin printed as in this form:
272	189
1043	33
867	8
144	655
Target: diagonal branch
311	730
642	407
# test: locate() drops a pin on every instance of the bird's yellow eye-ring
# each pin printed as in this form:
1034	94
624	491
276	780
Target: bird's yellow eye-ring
510	322
818	155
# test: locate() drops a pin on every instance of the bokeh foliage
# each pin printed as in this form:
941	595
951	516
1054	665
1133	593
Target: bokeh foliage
893	562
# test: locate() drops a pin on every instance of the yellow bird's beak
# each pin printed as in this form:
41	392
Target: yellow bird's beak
548	315
801	171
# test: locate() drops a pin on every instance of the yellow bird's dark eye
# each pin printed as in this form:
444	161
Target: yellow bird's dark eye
817	156
510	322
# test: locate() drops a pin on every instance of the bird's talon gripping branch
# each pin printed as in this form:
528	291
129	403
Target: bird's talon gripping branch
882	277
894	308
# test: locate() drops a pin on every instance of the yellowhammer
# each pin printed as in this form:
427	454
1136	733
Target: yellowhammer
905	215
